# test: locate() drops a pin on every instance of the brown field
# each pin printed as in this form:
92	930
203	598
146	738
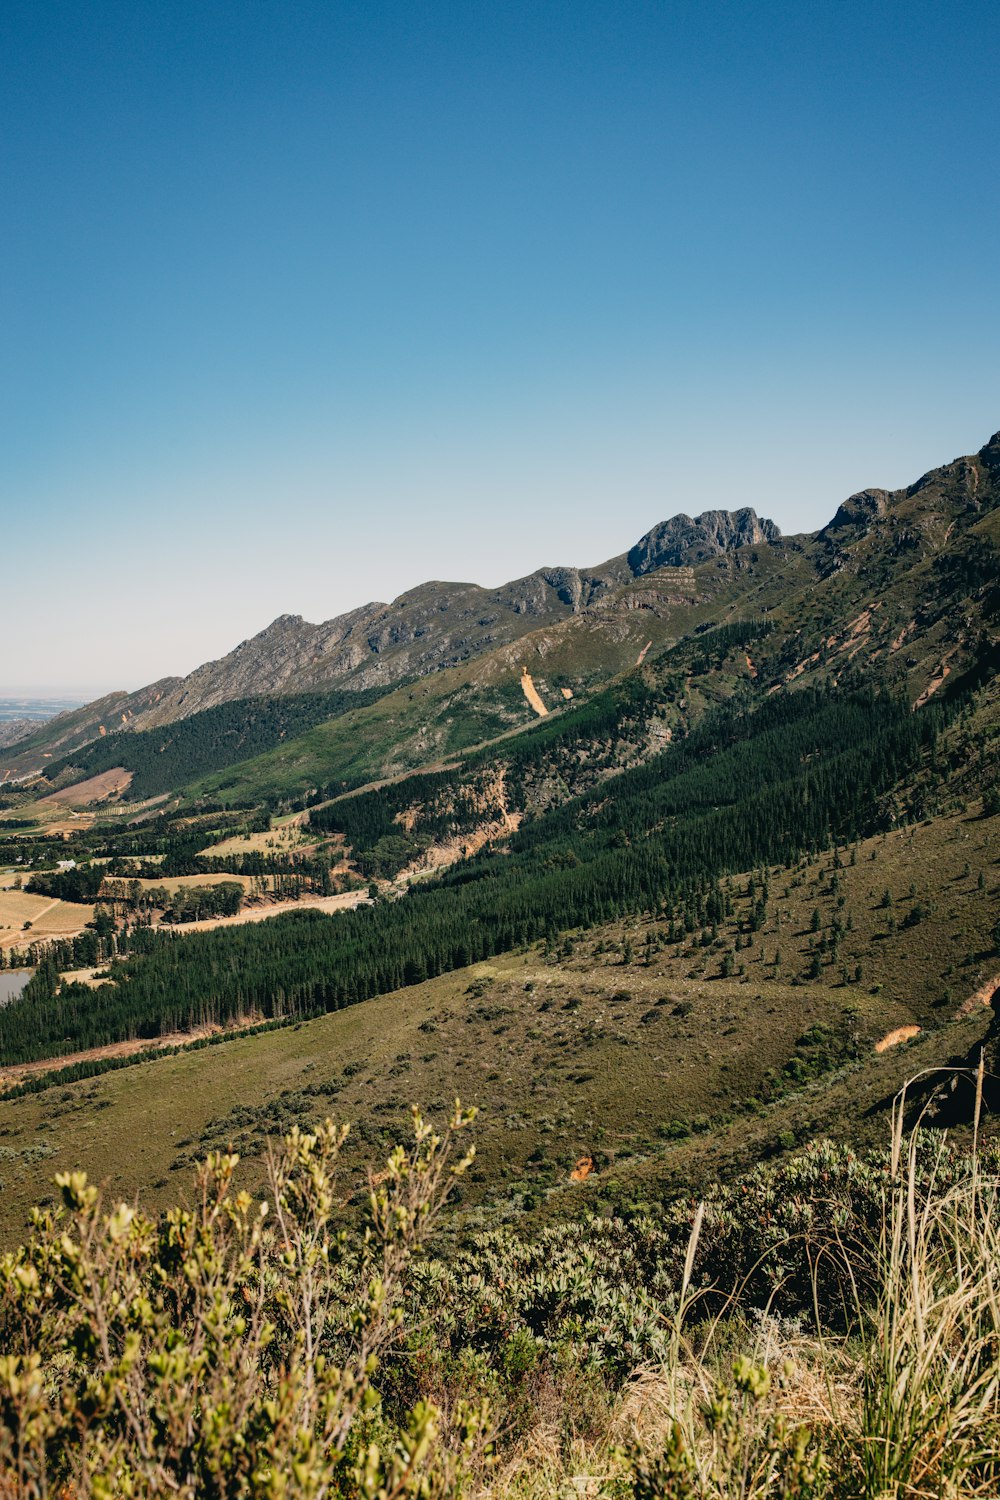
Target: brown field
51	820
279	840
344	901
173	883
48	918
95	789
84	976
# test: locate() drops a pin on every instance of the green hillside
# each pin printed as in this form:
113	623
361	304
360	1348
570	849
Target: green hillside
665	1061
164	760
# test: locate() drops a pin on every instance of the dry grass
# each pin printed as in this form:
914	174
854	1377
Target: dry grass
173	883
282	839
907	1407
343	901
48	918
105	787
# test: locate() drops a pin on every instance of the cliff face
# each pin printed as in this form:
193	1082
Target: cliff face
683	542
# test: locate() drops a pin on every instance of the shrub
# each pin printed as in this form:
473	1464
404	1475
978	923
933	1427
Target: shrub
224	1349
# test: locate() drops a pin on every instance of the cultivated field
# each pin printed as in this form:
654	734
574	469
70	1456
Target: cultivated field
48	918
95	789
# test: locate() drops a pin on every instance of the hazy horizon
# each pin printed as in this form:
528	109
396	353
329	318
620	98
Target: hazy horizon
306	305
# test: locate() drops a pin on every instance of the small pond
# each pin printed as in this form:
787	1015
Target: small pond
12	982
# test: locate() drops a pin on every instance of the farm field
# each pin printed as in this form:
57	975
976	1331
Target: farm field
284	836
109	784
287	836
48	918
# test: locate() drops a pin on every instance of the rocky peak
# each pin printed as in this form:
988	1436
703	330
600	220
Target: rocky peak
276	630
683	541
860	510
990	454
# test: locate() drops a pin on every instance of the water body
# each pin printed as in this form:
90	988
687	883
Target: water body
12	982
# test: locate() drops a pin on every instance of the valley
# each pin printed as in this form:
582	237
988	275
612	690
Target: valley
642	1054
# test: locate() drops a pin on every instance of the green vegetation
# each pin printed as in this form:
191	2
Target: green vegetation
721	909
627	1044
744	789
827	1329
162	760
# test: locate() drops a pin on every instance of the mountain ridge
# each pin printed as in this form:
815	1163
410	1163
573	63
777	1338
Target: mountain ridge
876	560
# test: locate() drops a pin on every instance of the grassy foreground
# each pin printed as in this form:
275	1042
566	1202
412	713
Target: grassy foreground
826	1328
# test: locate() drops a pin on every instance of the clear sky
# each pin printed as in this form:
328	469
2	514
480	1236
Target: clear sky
304	303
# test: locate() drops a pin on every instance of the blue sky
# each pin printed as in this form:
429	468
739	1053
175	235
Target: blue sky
303	304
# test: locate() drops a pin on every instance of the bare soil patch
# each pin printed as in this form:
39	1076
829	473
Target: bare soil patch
532	694
936	681
894	1037
982	996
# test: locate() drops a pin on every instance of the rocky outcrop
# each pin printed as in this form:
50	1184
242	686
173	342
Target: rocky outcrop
684	541
859	511
12	730
990	455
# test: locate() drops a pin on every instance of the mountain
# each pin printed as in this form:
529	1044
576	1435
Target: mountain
900	585
428	629
682	541
682	873
437	625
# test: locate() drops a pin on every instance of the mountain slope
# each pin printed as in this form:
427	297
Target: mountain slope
712	972
428	629
900	586
901	591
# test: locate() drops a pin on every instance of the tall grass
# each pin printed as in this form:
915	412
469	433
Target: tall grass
930	1413
905	1405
